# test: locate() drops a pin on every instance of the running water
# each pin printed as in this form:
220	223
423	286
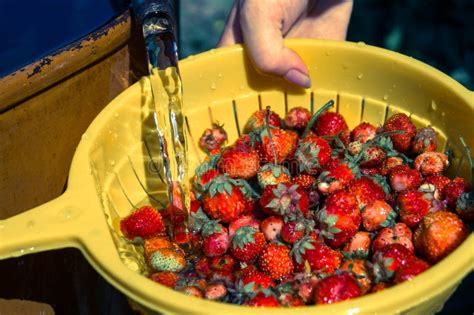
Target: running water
167	93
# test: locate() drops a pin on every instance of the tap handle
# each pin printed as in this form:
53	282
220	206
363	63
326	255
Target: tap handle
146	8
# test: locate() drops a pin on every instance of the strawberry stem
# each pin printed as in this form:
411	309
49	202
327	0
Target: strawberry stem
315	117
467	152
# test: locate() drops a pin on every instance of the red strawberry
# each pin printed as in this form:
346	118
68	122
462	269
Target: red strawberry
203	179
297	118
439	181
453	190
389	259
404	178
431	163
224	200
359	270
144	222
239	162
332	124
438	234
366	190
336	288
226	277
260	280
317	255
225	263
358	247
166	278
390	163
271	227
400	122
202	266
192	291
425	140
278	144
292	231
380	286
410	270
275	260
247	244
216	243
400	233
289	300
335	176
313	152
273	174
413	205
372	156
284	200
245	220
261	300
215	291
213	139
339	219
260	118
309	184
363	132
377	215
306	289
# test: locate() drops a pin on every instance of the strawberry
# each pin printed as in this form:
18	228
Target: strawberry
215	291
167	259
358	247
336	288
239	162
284	200
260	118
339	219
377	215
273	174
390	163
439	181
247	244
292	231
366	191
400	122
262	300
202	180
400	233
244	220
313	152
309	184
144	222
316	255
354	148
305	290
166	278
271	227
335	176
215	242
372	156
226	277
410	270
193	291
413	205
380	286
297	118
425	140
224	200
259	279
332	124
289	300
151	245
404	178
358	268
363	132
225	263
202	266
388	260
438	234
278	144
431	163
212	139
453	190
275	260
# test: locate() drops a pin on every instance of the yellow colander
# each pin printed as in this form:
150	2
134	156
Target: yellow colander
112	167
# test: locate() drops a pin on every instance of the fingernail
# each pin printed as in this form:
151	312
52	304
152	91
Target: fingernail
299	78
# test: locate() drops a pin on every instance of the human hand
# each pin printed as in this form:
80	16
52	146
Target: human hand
262	25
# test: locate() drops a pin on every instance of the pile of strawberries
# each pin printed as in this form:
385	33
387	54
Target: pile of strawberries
302	210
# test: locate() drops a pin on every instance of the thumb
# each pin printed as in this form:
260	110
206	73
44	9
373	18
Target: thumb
262	34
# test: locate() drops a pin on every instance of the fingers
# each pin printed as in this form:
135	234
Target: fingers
261	23
232	33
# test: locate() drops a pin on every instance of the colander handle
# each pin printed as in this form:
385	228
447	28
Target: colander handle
49	226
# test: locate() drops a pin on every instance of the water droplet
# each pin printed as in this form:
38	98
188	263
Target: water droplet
30	224
31	249
68	214
394	86
173	99
112	162
360	76
22	251
434	106
115	135
213	86
116	115
360	44
385	97
219	75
